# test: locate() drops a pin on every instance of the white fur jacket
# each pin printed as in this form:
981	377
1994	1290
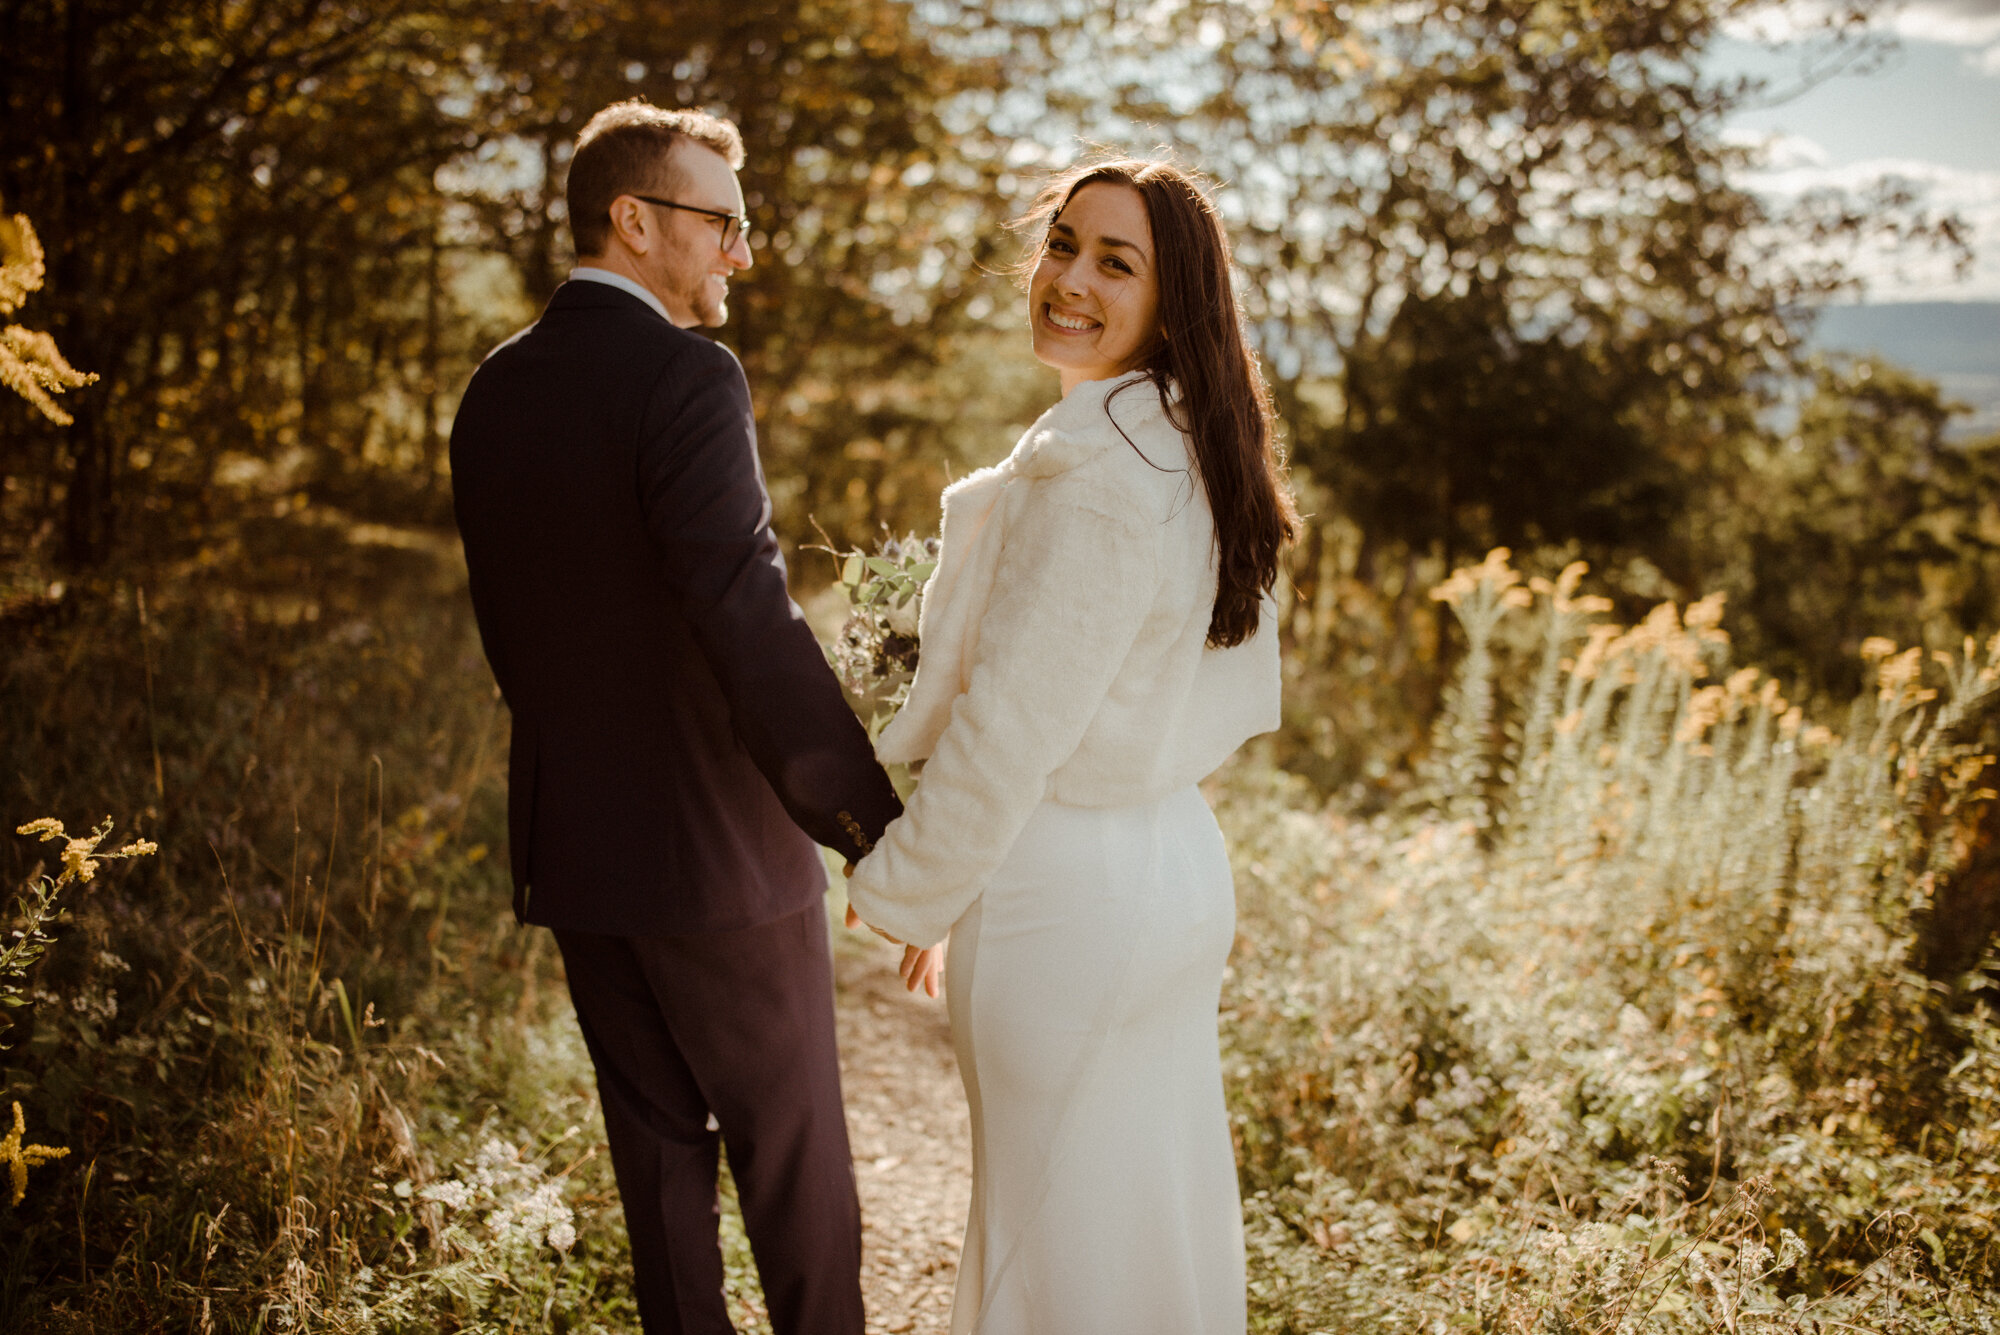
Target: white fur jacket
1064	653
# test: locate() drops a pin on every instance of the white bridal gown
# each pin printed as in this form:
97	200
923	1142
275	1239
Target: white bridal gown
1065	706
1083	987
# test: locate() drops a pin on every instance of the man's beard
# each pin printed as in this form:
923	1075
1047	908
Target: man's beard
689	283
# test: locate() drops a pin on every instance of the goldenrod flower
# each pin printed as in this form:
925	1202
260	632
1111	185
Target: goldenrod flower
30	365
1493	571
20	1158
1591	661
47	827
1705	709
77	861
1900	674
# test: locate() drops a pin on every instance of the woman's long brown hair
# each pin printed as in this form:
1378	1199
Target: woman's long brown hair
1223	405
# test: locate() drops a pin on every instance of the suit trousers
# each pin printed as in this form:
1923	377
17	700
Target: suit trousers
737	1025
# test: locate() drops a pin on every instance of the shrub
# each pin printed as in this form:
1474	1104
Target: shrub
1618	1028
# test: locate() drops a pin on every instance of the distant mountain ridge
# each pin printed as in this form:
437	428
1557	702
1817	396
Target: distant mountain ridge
1956	343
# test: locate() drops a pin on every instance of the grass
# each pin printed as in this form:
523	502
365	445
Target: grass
1613	1026
1618	1029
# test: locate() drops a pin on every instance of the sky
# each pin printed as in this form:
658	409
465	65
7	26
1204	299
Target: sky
1928	112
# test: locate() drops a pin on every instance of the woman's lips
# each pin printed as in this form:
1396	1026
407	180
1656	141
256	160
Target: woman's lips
1079	325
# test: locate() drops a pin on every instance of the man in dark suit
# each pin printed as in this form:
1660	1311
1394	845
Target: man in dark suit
679	743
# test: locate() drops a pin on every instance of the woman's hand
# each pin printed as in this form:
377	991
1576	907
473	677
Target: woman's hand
920	968
923	968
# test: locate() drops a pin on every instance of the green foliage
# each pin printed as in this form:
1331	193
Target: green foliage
1863	520
287	232
35	907
311	1075
1505	242
1647	1050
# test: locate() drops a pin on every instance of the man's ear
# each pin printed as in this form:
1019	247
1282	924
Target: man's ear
632	224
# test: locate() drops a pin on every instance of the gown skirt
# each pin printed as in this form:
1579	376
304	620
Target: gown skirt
1083	986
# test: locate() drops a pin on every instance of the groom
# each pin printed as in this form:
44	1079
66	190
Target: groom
679	743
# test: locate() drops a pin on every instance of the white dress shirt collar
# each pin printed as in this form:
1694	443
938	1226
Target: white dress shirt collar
592	274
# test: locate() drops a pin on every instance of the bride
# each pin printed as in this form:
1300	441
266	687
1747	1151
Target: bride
1096	639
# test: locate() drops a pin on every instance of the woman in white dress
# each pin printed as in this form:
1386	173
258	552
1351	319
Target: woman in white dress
1095	641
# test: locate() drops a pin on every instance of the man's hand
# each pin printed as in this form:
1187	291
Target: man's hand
854	920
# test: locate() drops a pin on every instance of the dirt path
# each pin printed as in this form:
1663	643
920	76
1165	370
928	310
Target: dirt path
912	1142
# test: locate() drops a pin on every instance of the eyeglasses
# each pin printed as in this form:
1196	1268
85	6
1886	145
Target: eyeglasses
733	224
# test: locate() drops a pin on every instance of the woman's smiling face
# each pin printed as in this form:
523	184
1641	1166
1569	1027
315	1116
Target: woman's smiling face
1094	300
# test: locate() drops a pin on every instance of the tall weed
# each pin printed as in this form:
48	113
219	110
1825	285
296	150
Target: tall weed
1619	1028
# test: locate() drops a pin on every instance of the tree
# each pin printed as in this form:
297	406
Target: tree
1864	520
287	229
1496	251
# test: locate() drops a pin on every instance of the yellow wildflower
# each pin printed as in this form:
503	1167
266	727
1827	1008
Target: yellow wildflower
19	1158
1562	592
1705	709
1494	570
22	265
77	861
1661	633
1594	655
1704	618
48	827
1899	676
1876	646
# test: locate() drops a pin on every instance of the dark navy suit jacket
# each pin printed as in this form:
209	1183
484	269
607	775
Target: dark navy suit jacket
679	742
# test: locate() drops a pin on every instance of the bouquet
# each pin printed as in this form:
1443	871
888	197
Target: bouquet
876	650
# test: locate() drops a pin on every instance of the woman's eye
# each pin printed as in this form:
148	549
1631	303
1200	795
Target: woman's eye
1059	247
1119	265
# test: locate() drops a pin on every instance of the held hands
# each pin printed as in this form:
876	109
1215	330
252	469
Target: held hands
920	968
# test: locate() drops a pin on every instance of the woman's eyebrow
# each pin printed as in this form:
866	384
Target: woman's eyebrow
1069	231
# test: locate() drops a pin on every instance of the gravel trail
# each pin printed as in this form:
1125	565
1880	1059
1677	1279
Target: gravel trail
907	1120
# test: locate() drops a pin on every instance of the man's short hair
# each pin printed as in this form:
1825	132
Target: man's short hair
625	149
